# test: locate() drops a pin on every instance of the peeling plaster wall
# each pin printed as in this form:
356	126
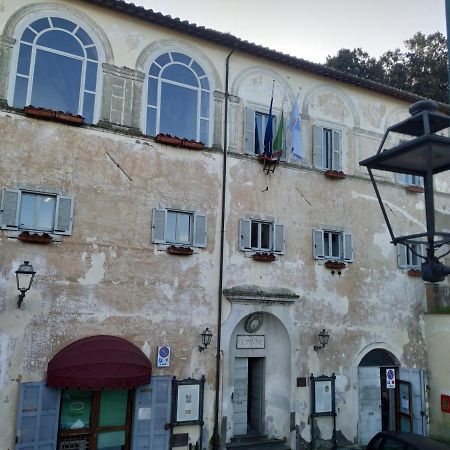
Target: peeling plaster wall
107	277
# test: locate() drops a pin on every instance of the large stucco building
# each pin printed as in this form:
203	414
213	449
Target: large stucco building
139	244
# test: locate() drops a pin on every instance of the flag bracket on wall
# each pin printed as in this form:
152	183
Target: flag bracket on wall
269	162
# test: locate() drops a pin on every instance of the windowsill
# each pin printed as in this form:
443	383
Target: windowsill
179	250
264	256
414	273
15	234
335	174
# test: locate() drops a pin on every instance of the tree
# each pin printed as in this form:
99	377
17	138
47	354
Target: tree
420	69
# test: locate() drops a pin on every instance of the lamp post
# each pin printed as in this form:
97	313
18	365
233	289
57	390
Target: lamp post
323	339
206	339
24	278
425	155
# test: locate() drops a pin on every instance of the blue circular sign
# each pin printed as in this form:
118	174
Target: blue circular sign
164	352
390	374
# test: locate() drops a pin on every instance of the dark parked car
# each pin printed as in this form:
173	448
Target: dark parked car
402	440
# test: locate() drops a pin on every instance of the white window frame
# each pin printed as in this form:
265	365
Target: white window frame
177	213
34	47
327	155
198	89
63	209
277	238
344	238
406	258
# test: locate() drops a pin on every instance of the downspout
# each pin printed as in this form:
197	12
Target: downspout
216	435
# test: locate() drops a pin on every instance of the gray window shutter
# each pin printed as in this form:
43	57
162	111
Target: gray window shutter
64	216
399	178
9	210
249	131
317	147
279	239
158	226
200	231
318	244
337	150
244	234
38	416
401	256
149	429
348	247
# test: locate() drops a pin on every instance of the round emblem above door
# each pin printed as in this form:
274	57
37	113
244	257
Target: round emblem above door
253	323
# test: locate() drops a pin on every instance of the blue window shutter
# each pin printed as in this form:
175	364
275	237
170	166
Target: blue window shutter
318	244
249	131
337	150
9	209
64	216
158	226
317	148
152	411
38	415
244	234
348	247
279	238
200	231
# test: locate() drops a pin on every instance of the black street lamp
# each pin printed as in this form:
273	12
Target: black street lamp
323	339
24	278
425	155
206	339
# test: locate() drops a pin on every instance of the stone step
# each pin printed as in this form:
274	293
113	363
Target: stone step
259	442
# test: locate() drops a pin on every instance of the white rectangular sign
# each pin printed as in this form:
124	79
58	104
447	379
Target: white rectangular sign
163	357
250	341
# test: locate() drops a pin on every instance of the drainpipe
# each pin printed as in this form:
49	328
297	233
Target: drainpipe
216	434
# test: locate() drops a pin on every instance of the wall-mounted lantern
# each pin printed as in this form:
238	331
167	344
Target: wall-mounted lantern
425	155
206	339
323	339
24	278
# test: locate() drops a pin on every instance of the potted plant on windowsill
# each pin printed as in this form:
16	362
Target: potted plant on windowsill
335	265
415	189
180	250
39	113
37	238
414	273
168	139
67	117
264	257
336	174
193	145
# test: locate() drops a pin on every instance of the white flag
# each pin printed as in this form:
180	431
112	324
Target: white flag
296	136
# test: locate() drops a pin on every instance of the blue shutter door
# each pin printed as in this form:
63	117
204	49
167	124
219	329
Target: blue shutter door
200	227
244	234
37	420
317	138
64	216
151	413
318	244
9	209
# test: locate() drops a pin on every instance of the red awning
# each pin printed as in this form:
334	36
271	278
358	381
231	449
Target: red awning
99	362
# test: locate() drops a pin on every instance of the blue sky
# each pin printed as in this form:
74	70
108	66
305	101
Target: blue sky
312	29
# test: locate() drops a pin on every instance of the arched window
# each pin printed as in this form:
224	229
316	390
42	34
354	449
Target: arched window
178	98
57	68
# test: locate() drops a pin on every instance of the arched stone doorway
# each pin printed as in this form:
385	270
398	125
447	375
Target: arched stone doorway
376	402
259	375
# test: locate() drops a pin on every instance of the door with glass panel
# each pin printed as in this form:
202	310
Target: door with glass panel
95	420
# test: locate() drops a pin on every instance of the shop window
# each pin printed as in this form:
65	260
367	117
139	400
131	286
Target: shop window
57	68
261	236
178	227
98	419
36	211
411	257
327	148
178	98
333	245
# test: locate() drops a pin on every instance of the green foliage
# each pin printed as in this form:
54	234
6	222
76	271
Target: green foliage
420	69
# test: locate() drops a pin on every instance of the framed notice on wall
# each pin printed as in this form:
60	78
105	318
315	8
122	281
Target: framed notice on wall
323	395
187	407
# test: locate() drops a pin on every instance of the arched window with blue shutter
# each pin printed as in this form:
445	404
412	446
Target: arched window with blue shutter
57	68
178	98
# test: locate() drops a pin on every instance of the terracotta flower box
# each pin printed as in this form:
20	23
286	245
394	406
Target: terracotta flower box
335	265
336	174
264	257
183	251
67	117
37	238
39	113
415	189
414	273
168	139
193	145
269	159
